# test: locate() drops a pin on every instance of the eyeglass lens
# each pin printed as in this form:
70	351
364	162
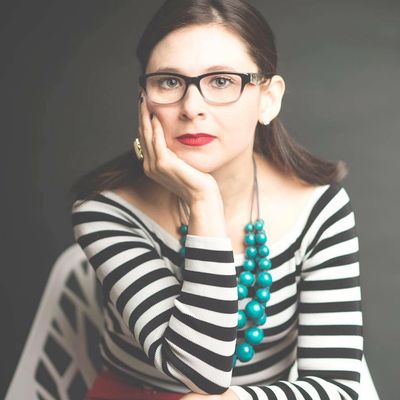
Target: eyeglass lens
218	88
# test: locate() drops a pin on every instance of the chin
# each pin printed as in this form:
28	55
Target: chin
200	161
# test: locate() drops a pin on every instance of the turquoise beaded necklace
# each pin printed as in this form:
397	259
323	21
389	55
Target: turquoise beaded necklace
254	275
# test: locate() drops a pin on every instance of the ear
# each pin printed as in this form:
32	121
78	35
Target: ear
272	91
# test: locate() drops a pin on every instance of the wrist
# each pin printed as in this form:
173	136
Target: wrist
207	217
205	197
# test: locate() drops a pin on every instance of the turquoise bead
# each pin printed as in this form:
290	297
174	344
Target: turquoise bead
249	264
246	278
259	224
183	240
264	279
242	319
264	264
262	320
263	295
254	335
184	228
245	352
254	309
182	251
242	291
261	238
250	239
263	250
251	251
249	227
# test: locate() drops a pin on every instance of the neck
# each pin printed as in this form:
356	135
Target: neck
236	184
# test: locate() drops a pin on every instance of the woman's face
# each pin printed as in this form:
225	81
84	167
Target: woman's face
192	51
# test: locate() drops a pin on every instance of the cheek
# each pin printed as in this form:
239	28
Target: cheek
239	126
169	128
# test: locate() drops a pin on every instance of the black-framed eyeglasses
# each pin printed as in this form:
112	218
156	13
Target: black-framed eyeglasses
218	87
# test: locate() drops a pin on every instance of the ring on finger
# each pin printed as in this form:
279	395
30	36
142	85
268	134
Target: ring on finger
138	149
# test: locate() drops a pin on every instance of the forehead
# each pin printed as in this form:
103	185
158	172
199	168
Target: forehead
194	49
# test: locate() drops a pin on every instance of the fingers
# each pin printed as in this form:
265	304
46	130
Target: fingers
140	126
159	144
154	138
145	133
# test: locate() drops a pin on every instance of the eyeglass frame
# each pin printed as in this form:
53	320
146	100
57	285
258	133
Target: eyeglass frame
254	78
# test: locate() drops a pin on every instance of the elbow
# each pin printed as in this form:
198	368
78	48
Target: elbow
208	387
210	375
205	384
222	391
213	389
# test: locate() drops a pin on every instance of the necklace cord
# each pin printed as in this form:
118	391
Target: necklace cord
255	191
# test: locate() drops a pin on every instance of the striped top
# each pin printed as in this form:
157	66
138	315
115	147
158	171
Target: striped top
175	327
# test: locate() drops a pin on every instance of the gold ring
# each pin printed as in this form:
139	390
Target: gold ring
138	149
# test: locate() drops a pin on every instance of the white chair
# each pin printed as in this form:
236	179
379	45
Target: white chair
61	358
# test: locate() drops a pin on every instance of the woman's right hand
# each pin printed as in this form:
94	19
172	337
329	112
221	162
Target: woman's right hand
165	167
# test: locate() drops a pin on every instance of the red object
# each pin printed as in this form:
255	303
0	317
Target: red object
108	386
195	135
194	140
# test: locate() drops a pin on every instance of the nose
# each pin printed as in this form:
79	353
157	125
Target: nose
193	102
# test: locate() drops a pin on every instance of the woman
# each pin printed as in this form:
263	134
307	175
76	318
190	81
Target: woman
228	257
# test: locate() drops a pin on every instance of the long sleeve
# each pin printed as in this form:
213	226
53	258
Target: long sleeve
186	329
330	334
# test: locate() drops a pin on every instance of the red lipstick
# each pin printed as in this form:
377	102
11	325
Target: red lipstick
197	139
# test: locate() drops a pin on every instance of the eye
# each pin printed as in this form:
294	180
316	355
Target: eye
222	81
168	83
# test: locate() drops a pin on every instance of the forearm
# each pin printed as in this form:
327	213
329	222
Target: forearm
186	328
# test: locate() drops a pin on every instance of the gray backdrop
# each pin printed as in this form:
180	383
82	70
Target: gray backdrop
68	103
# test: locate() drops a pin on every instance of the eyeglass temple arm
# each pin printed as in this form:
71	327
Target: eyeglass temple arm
258	77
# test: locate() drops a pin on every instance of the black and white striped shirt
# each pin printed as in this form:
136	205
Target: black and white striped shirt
176	328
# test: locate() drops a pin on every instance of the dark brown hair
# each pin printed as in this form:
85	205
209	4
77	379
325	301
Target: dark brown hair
273	141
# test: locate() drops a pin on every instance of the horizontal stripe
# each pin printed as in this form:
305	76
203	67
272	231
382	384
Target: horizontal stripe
331	352
204	255
330	307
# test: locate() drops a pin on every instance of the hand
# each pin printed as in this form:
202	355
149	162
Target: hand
164	166
228	395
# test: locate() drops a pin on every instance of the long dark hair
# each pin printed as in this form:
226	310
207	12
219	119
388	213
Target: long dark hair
273	141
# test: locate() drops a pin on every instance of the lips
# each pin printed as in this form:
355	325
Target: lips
199	139
194	135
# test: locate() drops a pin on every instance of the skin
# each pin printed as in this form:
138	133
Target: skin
223	167
228	159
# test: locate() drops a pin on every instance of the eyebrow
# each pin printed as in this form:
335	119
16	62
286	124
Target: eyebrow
212	68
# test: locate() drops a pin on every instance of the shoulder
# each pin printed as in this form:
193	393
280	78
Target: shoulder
115	198
106	205
332	197
332	214
132	194
144	194
107	216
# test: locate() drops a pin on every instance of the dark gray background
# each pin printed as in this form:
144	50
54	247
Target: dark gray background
68	103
